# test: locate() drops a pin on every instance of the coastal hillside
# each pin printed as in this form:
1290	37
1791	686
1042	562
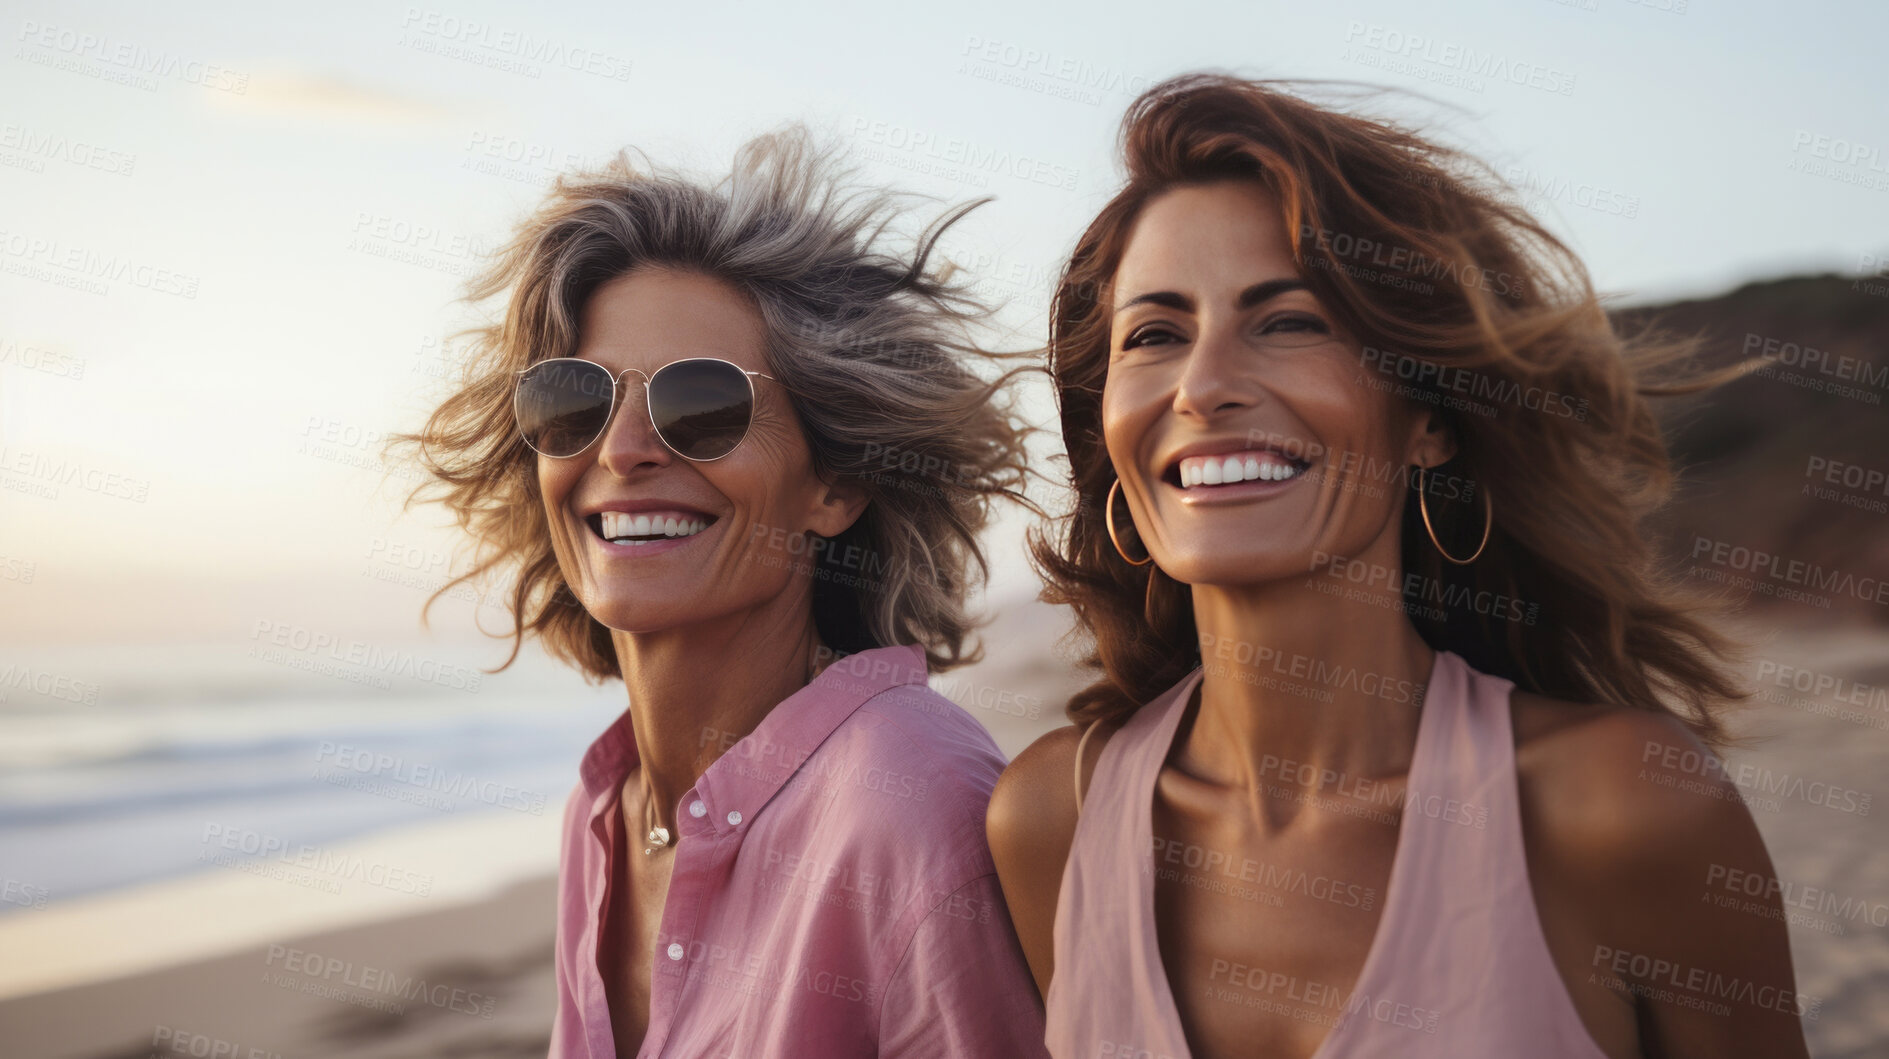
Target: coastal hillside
1793	460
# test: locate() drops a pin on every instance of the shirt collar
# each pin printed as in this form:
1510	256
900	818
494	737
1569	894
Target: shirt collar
752	769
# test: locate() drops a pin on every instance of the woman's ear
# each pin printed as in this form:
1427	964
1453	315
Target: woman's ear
837	504
1432	441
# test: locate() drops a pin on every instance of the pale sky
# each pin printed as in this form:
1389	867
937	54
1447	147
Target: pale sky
229	240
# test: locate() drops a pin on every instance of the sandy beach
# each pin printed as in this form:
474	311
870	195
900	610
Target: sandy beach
467	972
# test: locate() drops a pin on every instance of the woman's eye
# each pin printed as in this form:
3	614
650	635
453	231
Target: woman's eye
1297	322
1148	336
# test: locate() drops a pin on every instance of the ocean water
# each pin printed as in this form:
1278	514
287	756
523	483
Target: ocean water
186	758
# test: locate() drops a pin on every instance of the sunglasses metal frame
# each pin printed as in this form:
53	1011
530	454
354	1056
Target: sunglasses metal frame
648	378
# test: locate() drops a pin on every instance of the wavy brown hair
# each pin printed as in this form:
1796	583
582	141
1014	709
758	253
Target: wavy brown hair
874	346
1423	254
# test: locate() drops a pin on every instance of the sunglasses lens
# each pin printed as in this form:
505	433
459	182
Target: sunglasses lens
701	408
562	405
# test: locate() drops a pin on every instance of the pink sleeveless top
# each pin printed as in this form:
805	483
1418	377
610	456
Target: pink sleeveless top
1459	965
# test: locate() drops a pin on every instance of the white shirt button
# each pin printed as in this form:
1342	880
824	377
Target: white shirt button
675	950
734	817
697	809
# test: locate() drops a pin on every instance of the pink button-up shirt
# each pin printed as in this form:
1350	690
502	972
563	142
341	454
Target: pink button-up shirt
832	893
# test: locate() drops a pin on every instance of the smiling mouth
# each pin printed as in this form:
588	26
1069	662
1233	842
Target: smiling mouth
646	527
1231	468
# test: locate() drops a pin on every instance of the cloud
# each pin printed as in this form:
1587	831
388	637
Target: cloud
325	97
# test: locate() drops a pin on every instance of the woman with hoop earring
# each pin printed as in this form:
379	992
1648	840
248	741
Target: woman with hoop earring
1368	773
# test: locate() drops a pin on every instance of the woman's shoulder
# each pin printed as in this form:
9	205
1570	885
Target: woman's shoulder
1612	792
913	722
934	761
1034	807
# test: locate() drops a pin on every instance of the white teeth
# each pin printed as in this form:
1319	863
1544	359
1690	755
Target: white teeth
618	525
1257	465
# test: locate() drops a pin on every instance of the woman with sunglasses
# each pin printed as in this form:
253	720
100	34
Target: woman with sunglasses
689	434
1399	746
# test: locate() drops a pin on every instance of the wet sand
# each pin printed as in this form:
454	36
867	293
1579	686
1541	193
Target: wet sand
486	963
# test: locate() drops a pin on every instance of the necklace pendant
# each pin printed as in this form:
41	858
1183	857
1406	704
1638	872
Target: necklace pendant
658	836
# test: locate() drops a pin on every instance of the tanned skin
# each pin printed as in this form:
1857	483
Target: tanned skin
720	597
1616	862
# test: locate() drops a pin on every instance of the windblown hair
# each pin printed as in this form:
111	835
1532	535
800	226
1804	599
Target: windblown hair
1425	257
874	346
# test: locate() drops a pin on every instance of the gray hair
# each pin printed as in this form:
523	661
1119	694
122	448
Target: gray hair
874	348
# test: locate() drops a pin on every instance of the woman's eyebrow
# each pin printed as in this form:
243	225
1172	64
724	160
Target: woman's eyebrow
1251	296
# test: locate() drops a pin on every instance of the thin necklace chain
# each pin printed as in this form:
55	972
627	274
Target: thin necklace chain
661	837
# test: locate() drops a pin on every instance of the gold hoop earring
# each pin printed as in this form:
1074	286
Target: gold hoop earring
1108	519
1488	522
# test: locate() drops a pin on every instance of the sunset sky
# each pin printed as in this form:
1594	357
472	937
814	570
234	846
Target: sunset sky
228	249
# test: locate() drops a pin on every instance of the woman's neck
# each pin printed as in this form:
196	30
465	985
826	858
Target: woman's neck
696	691
1320	671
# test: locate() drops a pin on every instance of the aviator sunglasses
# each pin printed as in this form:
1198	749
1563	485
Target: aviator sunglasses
701	407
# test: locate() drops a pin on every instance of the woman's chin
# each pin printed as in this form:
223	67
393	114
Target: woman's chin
639	616
1244	568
